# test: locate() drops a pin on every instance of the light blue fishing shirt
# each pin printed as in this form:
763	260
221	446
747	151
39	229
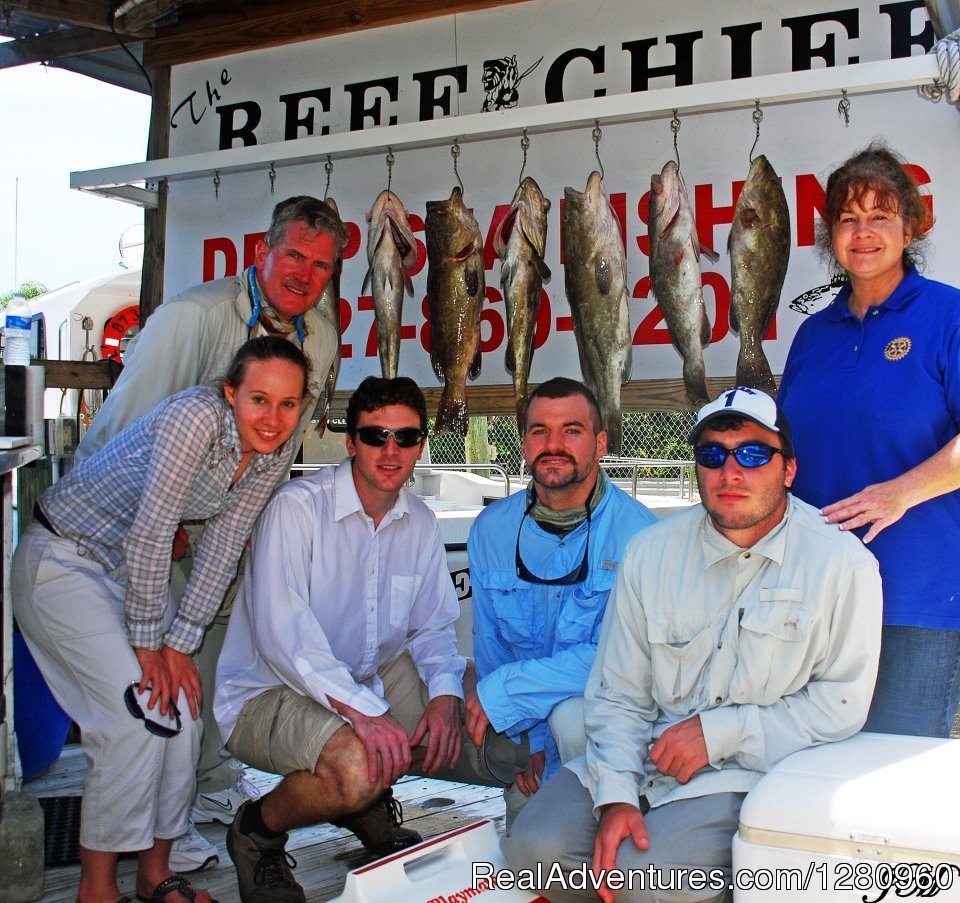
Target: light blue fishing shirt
534	644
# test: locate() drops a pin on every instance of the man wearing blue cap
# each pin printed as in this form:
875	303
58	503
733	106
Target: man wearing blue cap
738	632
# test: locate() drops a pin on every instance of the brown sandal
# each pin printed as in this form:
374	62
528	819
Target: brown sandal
175	884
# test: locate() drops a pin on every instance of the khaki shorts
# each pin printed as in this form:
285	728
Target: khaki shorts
281	731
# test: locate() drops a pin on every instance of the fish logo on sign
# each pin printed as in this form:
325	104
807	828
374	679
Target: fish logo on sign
897	349
500	80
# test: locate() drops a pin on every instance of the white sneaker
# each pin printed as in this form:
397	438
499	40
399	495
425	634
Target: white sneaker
192	851
222	806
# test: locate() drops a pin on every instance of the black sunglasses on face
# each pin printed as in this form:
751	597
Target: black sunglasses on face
578	575
754	454
377	436
135	709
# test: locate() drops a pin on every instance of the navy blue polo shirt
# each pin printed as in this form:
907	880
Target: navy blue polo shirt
867	401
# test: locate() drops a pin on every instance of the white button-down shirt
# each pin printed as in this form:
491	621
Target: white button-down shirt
775	647
328	599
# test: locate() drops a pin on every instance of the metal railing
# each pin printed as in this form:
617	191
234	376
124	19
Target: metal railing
309	468
685	470
499	468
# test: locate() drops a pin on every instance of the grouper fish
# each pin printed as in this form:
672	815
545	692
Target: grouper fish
520	241
455	291
676	277
759	246
391	254
595	276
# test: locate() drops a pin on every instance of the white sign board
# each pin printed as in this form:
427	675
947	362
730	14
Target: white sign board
549	51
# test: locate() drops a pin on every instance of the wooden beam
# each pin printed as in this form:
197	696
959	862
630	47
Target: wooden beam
80	374
54	45
155	218
252	25
144	14
93	14
636	395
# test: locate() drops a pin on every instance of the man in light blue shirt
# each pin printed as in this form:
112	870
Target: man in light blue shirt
542	563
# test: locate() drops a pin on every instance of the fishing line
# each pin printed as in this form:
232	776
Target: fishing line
675	128
525	144
596	134
328	168
843	108
757	119
391	159
455	152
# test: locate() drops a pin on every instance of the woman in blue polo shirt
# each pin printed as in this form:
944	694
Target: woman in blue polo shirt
872	390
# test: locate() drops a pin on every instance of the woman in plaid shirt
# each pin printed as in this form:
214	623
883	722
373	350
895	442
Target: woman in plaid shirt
92	596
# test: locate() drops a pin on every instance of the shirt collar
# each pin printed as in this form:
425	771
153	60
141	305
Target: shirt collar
716	546
908	289
347	502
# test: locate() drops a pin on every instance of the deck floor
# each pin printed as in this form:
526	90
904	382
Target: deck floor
324	853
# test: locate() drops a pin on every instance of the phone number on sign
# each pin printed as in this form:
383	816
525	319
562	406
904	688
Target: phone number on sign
874	880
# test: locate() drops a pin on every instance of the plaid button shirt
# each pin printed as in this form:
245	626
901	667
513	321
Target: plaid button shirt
124	504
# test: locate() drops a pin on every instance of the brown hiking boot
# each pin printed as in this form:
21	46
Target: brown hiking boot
380	827
263	866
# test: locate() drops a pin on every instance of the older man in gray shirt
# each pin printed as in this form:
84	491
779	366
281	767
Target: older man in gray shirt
738	632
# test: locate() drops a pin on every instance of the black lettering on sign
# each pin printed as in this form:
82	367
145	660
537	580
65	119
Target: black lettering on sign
461	582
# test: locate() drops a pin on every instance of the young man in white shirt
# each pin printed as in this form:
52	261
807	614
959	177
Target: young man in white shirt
737	632
340	668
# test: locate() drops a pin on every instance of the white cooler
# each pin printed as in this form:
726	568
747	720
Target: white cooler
873	817
439	870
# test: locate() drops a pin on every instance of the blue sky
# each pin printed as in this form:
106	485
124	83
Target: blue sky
53	122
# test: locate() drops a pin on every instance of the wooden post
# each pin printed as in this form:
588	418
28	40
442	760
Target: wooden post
155	221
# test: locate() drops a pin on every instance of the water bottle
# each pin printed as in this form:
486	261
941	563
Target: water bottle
16	332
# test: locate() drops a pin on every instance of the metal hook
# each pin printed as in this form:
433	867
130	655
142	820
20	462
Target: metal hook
273	178
217	181
328	168
455	152
675	128
843	108
597	135
757	119
525	144
391	159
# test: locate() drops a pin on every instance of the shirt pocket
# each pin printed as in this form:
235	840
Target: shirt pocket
679	666
517	611
581	612
403	593
774	644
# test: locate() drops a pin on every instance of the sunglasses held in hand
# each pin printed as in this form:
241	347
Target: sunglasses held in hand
377	436
165	726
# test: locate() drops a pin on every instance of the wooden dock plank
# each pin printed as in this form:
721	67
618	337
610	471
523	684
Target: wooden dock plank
324	853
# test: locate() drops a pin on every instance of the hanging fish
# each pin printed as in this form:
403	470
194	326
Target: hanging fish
759	247
520	241
391	254
675	274
455	291
595	275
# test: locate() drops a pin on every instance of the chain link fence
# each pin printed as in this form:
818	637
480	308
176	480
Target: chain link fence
661	435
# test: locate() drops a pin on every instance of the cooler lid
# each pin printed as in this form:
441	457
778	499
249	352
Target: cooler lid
882	789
